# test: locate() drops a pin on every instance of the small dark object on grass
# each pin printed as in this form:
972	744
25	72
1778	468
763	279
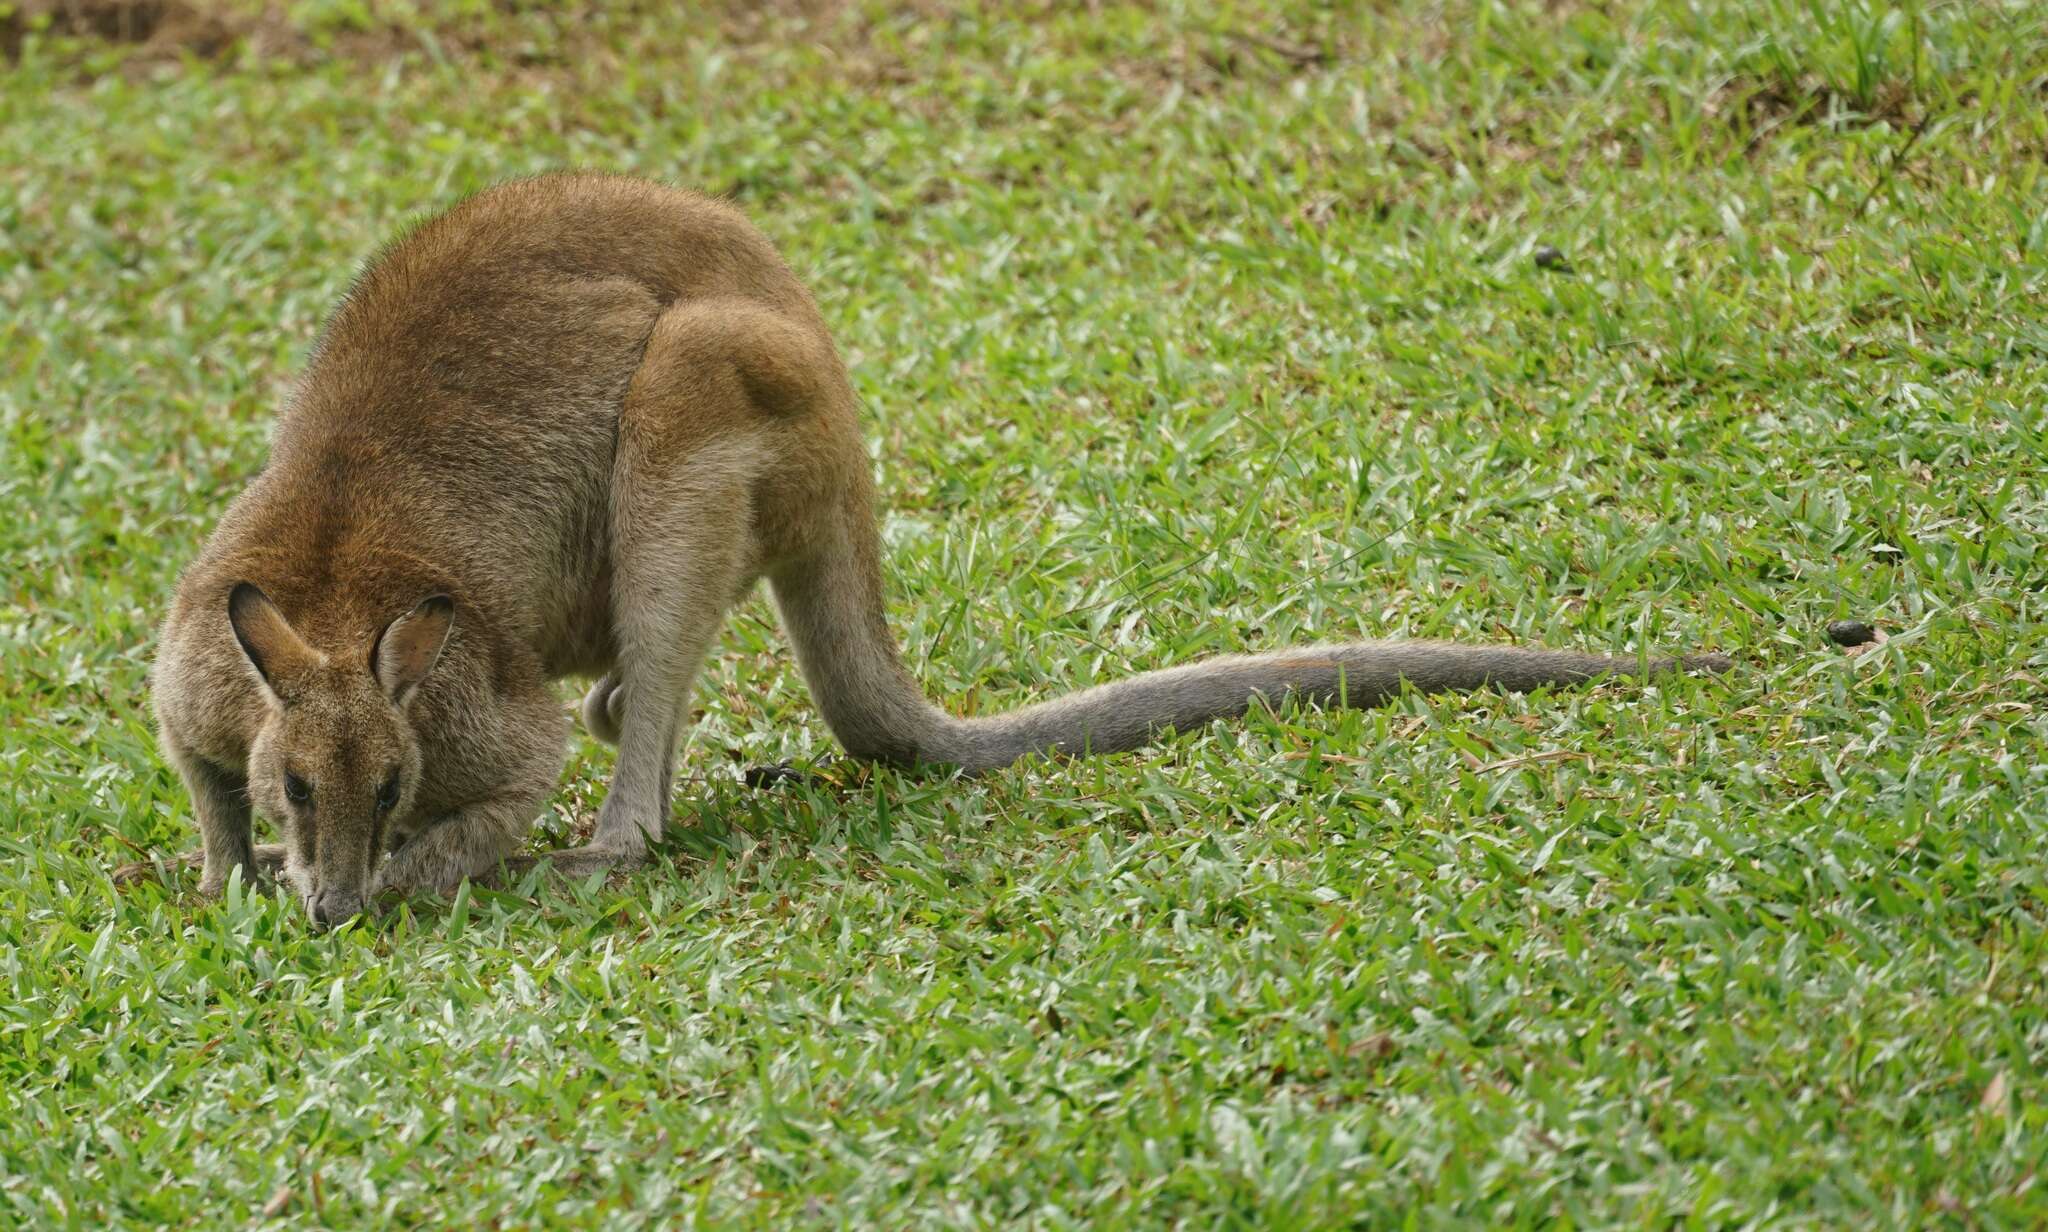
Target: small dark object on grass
1549	258
1851	633
762	777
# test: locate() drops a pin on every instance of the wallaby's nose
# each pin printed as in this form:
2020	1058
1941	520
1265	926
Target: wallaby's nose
331	907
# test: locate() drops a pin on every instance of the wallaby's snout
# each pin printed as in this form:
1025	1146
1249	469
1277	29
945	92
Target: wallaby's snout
347	845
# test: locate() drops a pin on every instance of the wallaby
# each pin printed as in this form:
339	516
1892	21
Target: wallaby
561	429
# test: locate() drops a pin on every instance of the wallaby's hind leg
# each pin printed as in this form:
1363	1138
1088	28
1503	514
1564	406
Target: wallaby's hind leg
674	586
683	552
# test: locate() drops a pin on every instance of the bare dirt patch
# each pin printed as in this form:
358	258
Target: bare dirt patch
172	26
164	30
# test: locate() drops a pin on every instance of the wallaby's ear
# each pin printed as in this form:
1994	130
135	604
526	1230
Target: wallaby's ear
273	647
408	647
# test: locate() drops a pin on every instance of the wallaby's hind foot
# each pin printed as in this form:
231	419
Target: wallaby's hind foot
604	708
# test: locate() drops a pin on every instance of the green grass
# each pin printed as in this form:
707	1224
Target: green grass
1181	330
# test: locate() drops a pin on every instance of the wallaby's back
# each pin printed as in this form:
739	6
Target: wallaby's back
457	421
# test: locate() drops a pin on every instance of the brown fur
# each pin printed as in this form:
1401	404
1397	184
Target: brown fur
560	430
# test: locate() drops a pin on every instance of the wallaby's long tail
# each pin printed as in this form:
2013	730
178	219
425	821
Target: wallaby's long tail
833	609
1129	713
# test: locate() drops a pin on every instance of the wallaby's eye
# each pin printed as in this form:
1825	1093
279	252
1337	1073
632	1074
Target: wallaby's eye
387	795
296	789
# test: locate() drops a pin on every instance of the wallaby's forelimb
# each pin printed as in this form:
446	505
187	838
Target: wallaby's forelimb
221	801
268	861
468	843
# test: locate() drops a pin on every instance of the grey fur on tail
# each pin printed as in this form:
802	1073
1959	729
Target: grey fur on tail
1130	713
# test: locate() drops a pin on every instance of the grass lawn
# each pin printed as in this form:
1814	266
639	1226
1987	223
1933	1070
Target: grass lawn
1181	329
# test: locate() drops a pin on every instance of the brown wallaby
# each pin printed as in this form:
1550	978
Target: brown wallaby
560	430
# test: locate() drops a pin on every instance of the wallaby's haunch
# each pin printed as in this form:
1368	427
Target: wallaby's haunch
560	430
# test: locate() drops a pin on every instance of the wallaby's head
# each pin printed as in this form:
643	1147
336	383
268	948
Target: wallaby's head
336	758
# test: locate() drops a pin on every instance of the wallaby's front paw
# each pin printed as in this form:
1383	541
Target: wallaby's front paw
269	864
146	870
387	885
